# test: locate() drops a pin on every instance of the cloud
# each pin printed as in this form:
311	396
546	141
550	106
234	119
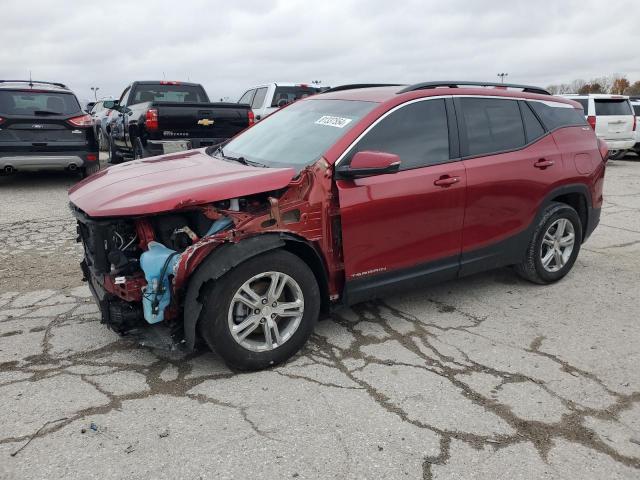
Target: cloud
230	46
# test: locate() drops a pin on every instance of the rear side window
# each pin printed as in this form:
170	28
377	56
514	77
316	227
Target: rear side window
584	102
613	107
492	125
285	95
557	115
636	109
258	100
417	133
532	126
38	103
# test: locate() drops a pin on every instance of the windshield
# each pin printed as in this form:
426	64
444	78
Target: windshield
27	102
298	135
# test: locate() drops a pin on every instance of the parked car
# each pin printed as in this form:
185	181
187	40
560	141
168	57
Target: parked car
42	126
336	199
612	118
158	117
635	104
266	99
100	116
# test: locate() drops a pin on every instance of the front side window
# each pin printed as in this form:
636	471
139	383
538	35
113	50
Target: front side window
124	97
298	135
247	98
27	102
584	102
417	133
258	100
493	125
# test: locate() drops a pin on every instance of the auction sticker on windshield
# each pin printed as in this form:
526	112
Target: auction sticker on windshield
331	121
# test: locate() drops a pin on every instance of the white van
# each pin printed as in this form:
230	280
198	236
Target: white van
612	118
266	99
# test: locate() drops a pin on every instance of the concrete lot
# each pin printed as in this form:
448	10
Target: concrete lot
487	377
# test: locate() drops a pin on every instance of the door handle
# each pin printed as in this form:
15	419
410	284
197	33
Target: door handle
543	163
446	181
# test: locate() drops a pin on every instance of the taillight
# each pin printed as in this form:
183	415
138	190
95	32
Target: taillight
81	121
635	119
252	118
591	120
92	157
151	119
1	120
604	149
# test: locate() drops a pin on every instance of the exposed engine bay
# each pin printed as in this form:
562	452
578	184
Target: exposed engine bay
138	267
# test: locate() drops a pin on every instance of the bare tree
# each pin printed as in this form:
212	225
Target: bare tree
633	89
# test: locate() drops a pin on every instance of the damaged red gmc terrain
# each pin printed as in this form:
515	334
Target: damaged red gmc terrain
335	199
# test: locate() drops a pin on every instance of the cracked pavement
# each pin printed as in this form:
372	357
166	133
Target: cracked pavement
486	377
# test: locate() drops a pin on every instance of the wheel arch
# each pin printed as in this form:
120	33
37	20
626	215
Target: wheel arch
229	255
576	196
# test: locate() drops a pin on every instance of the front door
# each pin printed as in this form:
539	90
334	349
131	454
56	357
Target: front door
408	225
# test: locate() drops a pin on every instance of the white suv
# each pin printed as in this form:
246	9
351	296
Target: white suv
612	118
266	99
635	104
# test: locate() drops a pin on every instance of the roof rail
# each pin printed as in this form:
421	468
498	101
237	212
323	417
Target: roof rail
456	84
31	82
354	86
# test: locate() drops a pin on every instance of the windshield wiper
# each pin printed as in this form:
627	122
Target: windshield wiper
46	112
242	160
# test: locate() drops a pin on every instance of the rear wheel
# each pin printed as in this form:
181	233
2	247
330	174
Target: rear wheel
90	169
138	149
554	246
617	154
113	155
262	312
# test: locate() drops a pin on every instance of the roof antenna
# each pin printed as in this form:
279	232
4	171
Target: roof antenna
30	81
163	76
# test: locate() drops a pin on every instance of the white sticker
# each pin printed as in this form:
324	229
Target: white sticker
331	121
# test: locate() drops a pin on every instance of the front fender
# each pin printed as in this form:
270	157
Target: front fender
217	263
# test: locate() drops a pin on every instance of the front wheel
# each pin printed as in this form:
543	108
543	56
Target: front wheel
262	312
554	247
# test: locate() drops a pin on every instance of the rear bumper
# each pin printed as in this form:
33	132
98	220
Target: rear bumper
624	144
43	161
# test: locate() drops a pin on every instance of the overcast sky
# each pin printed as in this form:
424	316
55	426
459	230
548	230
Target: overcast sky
229	46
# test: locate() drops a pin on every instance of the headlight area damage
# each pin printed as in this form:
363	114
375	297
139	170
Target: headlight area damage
151	268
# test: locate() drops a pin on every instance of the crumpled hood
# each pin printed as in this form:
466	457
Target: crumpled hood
169	182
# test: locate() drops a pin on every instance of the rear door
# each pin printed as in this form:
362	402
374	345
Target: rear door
509	170
38	121
405	225
614	118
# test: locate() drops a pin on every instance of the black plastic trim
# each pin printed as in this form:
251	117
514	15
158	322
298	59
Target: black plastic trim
458	84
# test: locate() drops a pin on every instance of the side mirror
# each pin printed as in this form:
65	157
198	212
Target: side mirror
110	104
369	163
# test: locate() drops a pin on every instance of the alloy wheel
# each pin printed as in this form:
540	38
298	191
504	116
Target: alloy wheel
266	311
557	245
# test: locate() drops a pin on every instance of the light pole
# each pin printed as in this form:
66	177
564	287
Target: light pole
502	75
95	92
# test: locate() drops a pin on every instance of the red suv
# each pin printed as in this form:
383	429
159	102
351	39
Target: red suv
336	199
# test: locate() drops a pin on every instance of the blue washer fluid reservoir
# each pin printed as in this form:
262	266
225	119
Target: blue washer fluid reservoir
158	261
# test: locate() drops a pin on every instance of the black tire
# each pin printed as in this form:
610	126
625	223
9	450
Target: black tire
90	169
214	321
138	150
114	158
618	155
532	268
102	143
